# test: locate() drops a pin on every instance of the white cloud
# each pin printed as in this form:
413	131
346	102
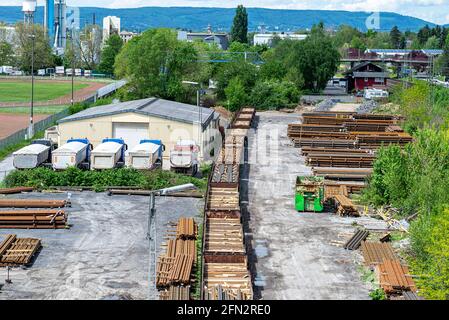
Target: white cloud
432	10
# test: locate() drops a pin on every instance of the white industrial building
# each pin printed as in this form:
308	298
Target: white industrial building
111	25
267	38
127	35
150	118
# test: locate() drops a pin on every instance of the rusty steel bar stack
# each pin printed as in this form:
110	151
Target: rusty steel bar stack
225	273
39	214
16	252
342	146
174	267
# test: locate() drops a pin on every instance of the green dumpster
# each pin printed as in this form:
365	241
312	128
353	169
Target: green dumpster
309	194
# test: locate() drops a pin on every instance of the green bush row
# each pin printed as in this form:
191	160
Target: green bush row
43	178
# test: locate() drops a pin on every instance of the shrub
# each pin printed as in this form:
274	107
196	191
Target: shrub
43	178
274	94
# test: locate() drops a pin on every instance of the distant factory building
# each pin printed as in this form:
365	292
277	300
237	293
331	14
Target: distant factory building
366	75
267	38
221	39
111	25
127	35
150	118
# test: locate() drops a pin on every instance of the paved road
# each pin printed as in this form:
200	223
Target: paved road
293	254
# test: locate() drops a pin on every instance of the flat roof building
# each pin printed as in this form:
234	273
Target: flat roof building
150	118
267	38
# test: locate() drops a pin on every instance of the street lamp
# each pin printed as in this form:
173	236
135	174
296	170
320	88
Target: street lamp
200	111
31	125
151	232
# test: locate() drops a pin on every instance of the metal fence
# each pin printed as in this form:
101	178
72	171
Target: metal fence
44	124
38	126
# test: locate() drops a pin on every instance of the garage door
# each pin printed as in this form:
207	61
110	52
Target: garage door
132	133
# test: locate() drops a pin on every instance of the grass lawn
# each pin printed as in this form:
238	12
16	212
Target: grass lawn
20	91
36	110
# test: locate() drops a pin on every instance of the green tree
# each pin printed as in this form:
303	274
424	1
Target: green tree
316	59
111	49
244	71
432	43
155	64
43	57
395	38
274	94
6	54
236	95
424	34
239	31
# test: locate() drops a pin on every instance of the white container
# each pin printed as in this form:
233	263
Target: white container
31	156
106	155
71	154
184	154
144	156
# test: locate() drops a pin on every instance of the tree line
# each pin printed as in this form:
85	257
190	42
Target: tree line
84	49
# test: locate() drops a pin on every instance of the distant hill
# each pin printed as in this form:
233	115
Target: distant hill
138	19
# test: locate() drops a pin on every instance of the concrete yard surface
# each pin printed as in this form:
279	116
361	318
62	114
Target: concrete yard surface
294	255
104	255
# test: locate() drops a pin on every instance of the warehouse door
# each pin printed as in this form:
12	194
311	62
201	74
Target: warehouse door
132	133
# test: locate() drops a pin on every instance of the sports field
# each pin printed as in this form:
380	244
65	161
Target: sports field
20	91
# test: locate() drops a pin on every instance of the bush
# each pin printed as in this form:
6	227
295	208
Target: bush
43	178
274	94
235	94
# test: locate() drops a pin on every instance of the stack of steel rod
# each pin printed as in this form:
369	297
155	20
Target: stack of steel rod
186	229
33	219
17	252
28	203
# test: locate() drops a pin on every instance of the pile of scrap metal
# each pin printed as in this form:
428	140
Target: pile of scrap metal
225	264
175	265
38	214
393	276
16	252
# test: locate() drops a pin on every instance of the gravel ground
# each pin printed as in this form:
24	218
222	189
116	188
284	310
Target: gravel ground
294	255
104	255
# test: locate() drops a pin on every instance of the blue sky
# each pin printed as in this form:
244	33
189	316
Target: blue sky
436	11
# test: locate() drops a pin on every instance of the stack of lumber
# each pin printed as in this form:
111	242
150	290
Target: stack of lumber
230	155
186	229
219	292
174	266
223	199
33	219
233	276
345	206
17	252
225	173
224	236
175	293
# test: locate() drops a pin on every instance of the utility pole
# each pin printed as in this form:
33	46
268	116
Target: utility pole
72	101
31	126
